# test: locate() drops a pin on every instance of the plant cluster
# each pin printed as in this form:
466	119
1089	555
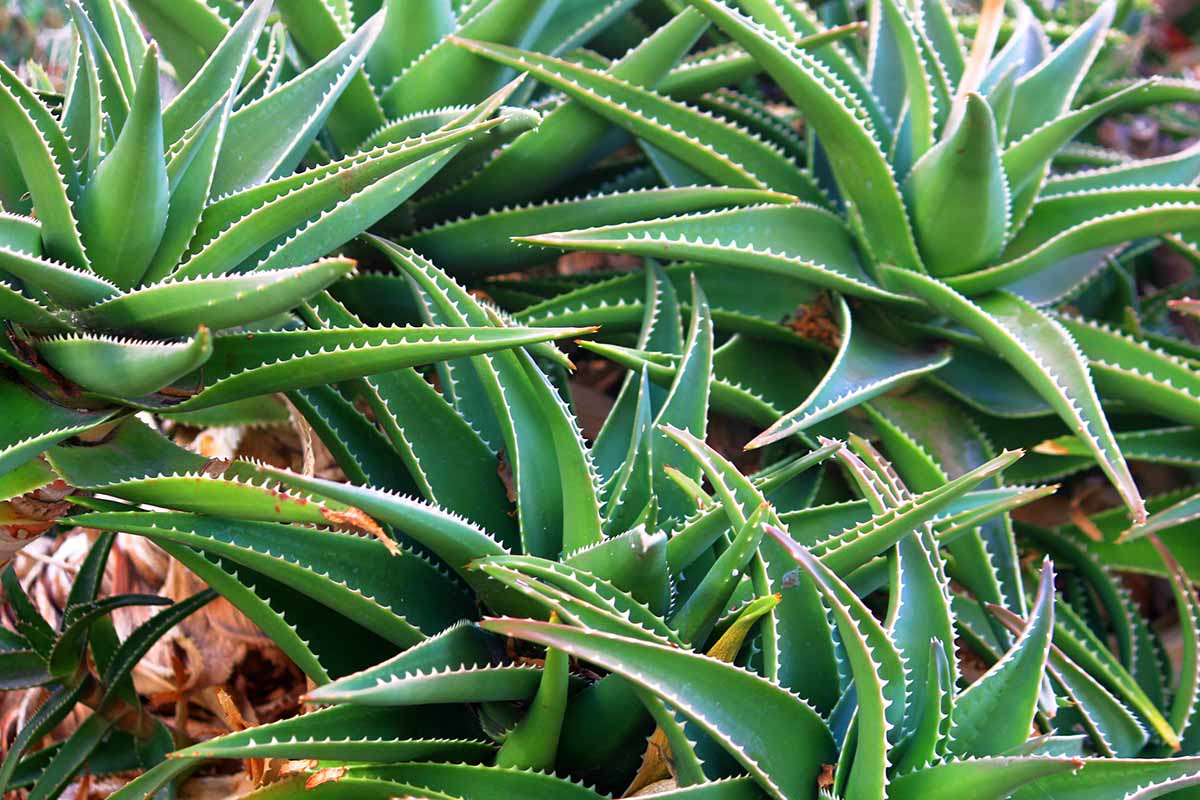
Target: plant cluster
892	246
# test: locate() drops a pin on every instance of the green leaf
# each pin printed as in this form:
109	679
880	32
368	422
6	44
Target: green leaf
355	733
533	743
1187	694
124	367
930	713
1114	730
224	68
60	282
892	19
249	364
27	313
1026	160
250	601
44	155
269	136
28	621
984	778
960	185
82	116
1118	777
866	365
256	228
556	486
119	36
783	745
995	712
483	244
1046	92
115	84
408	32
854	148
22	669
1047	357
920	617
48	715
804	242
567	137
686	408
718	150
635	561
176	307
357	577
130	184
579	596
878	673
448	75
146	635
37	423
1177	169
315	30
1069	225
699	613
67	655
190	172
853	547
70	757
1134	370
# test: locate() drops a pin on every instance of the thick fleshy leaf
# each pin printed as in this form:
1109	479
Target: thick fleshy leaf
567	136
316	30
714	148
37	423
269	136
865	366
854	148
482	244
878	673
271	225
1133	369
788	773
130	184
406	36
117	367
556	487
42	721
448	75
176	307
984	778
224	68
63	284
1116	776
802	241
995	713
1046	356
355	733
1047	91
957	186
456	541
47	168
249	364
350	574
1113	728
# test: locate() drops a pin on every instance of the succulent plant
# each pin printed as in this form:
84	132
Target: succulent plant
903	170
892	276
169	242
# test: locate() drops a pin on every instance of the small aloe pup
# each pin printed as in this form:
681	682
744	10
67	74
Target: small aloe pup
150	252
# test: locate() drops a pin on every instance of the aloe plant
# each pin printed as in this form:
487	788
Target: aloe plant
739	599
494	606
151	253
